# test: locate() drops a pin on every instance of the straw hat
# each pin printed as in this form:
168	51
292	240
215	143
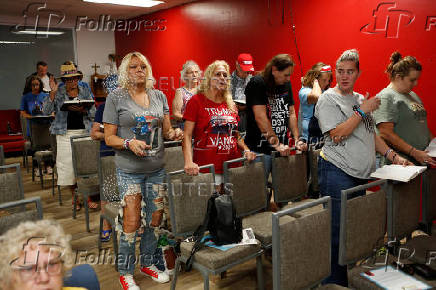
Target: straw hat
68	71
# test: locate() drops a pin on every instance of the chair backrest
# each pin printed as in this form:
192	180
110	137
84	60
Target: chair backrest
2	156
429	196
289	177
11	185
188	196
85	155
173	158
247	184
108	179
40	135
363	223
301	246
404	201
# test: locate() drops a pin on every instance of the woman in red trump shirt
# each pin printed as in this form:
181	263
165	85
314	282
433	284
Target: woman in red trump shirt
212	119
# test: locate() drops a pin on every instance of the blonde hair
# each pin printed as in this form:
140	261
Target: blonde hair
402	66
314	73
12	242
205	83
124	68
187	65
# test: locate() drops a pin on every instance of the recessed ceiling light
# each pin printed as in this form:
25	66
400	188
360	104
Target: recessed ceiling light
136	3
38	32
16	42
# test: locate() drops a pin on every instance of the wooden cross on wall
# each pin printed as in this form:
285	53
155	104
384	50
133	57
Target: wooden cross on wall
95	66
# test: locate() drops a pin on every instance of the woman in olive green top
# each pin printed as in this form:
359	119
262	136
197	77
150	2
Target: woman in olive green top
401	118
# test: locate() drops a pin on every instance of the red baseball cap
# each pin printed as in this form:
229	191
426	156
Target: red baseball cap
245	61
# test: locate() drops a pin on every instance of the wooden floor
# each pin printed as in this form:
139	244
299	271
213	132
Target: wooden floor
83	243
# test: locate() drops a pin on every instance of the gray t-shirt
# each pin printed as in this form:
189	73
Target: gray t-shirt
407	113
135	121
355	155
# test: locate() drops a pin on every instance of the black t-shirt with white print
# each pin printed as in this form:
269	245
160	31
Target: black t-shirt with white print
277	102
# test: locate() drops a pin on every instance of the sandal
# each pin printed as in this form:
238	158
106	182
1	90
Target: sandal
105	235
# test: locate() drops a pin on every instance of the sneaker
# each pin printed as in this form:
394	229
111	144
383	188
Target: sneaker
128	283
155	274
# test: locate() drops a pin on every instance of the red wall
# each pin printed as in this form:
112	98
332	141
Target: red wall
221	29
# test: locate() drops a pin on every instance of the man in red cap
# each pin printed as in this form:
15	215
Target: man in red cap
240	78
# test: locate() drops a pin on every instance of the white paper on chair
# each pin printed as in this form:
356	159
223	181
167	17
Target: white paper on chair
431	148
393	279
398	172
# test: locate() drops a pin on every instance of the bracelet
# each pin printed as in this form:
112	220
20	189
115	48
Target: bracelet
126	143
357	114
358	110
387	152
248	150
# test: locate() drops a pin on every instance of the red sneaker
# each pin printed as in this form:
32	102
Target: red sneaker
128	283
155	274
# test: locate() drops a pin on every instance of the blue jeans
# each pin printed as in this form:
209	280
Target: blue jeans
149	253
331	181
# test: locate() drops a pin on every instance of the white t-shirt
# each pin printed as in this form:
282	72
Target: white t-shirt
46	81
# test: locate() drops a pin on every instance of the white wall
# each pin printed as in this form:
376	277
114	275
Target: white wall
93	47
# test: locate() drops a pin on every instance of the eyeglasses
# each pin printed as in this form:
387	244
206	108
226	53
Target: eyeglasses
30	272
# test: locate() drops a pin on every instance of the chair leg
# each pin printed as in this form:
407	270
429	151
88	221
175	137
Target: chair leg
60	196
74	204
206	280
115	243
52	183
100	228
33	170
85	198
40	175
260	281
176	272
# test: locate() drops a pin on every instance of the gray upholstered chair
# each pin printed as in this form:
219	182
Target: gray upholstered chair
429	199
27	144
12	202
188	197
301	247
403	200
363	223
247	184
109	192
41	147
85	163
289	181
286	171
173	156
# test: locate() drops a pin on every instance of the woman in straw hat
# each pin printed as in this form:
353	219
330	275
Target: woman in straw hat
76	121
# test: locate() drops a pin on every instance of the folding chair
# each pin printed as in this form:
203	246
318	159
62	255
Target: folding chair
41	148
248	187
187	209
301	247
85	163
109	192
12	202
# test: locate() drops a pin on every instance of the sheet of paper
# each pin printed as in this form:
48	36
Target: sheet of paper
393	279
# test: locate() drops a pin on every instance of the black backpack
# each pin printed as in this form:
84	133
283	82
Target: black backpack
221	221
